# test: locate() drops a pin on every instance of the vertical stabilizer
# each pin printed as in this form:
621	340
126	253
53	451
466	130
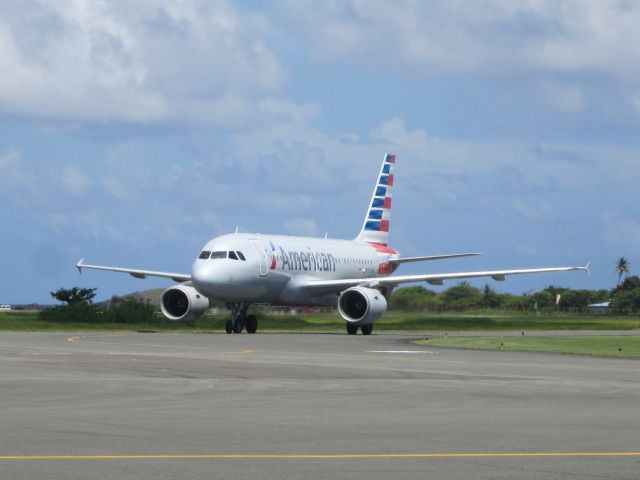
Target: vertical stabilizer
375	228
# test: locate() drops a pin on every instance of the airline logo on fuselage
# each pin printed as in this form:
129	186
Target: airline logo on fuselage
306	261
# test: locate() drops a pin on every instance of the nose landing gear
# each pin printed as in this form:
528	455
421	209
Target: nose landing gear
240	319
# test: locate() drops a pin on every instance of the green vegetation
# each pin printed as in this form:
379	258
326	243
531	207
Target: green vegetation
622	268
626	296
461	307
129	310
78	308
602	346
462	297
331	322
624	299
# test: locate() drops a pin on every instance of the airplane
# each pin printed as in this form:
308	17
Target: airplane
243	269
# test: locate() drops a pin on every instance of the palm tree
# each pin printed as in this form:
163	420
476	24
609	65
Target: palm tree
622	267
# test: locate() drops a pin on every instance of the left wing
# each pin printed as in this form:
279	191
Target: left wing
176	277
323	287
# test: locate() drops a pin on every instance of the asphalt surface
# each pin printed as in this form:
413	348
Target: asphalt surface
308	407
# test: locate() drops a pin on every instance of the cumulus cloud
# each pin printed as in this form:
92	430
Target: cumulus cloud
395	132
134	61
563	51
564	36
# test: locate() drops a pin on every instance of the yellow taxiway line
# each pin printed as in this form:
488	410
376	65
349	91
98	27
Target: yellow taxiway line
346	456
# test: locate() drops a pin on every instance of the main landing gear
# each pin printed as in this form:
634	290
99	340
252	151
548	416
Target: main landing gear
353	329
240	320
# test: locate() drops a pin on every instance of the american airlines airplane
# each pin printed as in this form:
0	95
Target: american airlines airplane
242	269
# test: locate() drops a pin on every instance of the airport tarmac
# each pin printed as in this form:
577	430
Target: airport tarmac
312	406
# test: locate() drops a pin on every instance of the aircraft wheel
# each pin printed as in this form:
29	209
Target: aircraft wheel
237	326
228	326
367	329
252	324
352	329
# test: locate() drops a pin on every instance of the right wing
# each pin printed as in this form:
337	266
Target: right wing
176	277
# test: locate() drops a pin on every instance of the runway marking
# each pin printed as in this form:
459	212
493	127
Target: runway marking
144	354
402	351
49	353
172	355
83	337
294	456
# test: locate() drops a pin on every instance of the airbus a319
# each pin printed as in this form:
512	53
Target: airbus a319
244	269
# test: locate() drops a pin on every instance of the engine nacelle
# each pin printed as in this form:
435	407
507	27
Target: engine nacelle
183	303
362	305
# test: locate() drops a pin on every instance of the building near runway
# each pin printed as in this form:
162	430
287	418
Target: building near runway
598	308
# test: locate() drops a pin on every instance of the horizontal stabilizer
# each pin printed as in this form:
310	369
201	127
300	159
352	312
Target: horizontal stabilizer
431	257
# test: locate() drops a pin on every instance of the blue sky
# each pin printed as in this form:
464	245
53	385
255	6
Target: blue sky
132	132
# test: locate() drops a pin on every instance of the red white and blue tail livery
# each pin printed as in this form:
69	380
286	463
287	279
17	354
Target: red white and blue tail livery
242	269
375	228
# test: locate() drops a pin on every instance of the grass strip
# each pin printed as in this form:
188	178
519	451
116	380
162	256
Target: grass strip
600	346
329	323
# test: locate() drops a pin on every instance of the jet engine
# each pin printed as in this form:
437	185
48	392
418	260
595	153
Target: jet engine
183	303
362	305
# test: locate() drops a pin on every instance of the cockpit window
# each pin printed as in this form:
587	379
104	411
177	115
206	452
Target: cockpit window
233	255
219	254
204	254
241	256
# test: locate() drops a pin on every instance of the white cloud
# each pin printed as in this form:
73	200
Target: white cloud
566	36
135	61
206	220
565	97
567	53
18	185
74	181
301	226
282	202
89	224
395	132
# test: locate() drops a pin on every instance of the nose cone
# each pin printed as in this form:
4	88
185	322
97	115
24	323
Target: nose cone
203	276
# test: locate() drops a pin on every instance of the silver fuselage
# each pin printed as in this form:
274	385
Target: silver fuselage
277	268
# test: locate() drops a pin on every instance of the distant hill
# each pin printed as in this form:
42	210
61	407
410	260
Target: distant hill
152	295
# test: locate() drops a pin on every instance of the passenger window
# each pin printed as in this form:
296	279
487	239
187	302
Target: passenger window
216	255
241	256
232	255
204	254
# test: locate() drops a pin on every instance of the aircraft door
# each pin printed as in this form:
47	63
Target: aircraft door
263	254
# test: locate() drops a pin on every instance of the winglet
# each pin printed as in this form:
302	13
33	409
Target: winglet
80	264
